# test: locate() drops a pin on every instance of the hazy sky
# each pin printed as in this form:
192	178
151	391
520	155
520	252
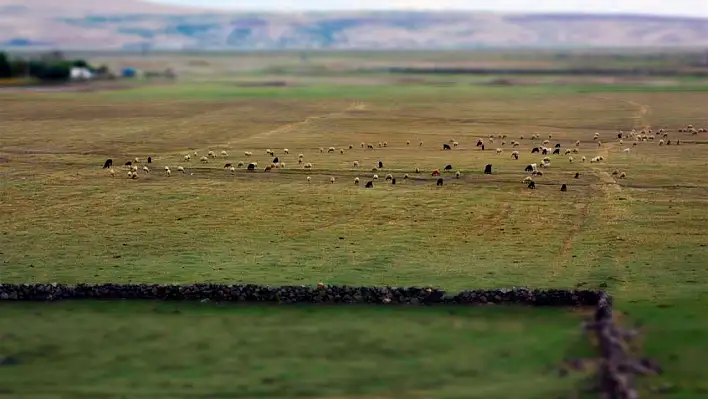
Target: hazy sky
665	7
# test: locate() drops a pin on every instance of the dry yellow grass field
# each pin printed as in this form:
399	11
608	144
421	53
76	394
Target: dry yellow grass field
66	219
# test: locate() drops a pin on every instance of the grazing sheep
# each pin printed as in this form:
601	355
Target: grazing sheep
577	175
615	172
621	142
491	140
570	159
537	173
447	167
488	169
389	177
331	149
146	169
321	150
362	144
168	172
232	169
567	151
356	180
251	166
435	173
535	150
385	143
417	170
375	177
368	146
134	168
130	175
356	164
446	147
374	169
351	146
269	152
108	163
457	174
223	154
544	151
268	168
546	142
405	176
380	165
550	136
452	140
530	167
286	151
577	143
195	154
129	163
557	145
564	188
408	142
211	154
309	179
440	182
420	144
500	150
180	169
187	158
515	155
276	160
661	142
204	160
531	185
301	156
240	164
307	166
583	158
228	165
112	172
626	150
480	143
557	151
369	184
455	144
331	180
341	150
575	151
622	175
136	160
527	179
393	181
248	153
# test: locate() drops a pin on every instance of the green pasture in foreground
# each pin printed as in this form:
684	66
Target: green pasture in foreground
642	238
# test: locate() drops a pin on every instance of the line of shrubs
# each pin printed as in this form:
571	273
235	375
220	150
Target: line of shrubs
551	72
251	293
47	68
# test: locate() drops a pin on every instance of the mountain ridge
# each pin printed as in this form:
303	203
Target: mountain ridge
132	24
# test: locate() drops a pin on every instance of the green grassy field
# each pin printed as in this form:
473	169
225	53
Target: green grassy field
642	238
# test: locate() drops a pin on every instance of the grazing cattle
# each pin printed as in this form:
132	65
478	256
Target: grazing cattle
446	147
251	166
149	159
448	167
564	188
532	185
275	160
369	184
534	150
577	175
440	182
557	151
488	169
108	163
558	145
228	165
380	164
436	172
393	181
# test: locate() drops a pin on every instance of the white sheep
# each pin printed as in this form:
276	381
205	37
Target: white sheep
455	144
577	143
232	169
627	150
583	158
204	159
211	154
248	153
136	160
321	150
341	150
134	168
282	165
268	151
420	144
417	170
195	154
180	169
356	180
546	142
307	166
389	177
527	180
240	164
661	142
362	144
187	158
375	177
301	156
405	176
567	151
146	169
457	174
499	150
622	175
309	179
351	146
408	142
356	164
224	153
331	179
380	144
286	151
130	174
621	141
570	159
385	143
112	172
168	172
515	154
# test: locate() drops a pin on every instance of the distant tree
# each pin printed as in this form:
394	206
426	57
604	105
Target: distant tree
81	64
5	67
19	67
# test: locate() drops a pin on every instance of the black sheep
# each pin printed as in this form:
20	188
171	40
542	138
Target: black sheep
532	185
528	168
577	175
557	151
534	150
149	159
479	143
393	181
251	166
129	163
544	152
369	184
228	165
440	182
668	142
619	135
108	163
380	165
564	188
488	169
558	145
482	147
448	167
275	160
446	147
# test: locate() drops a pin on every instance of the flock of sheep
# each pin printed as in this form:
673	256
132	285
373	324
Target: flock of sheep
533	168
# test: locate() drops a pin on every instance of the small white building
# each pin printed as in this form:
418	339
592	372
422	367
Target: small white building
78	73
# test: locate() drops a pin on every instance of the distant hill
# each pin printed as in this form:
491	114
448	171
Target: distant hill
131	24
